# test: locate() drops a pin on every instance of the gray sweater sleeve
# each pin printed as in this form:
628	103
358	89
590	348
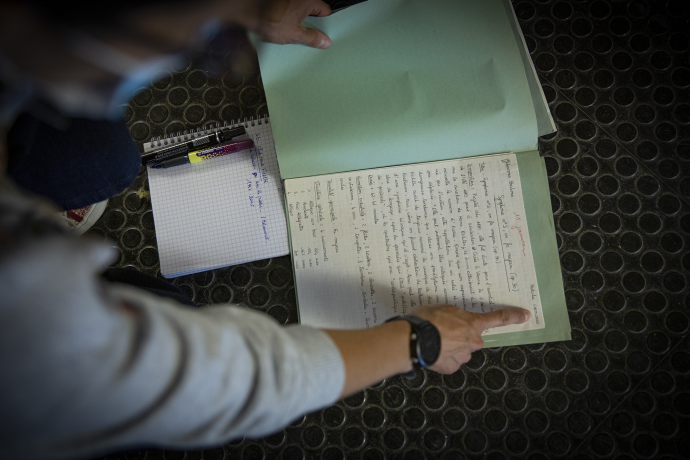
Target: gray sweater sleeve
90	367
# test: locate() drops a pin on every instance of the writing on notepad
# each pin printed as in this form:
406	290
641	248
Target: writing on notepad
224	211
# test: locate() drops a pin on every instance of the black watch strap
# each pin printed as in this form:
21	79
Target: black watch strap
425	341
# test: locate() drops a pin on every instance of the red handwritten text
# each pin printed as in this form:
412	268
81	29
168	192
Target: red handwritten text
522	239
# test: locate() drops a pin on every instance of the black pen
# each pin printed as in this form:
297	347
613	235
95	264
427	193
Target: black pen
202	142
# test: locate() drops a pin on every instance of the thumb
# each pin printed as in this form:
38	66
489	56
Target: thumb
314	38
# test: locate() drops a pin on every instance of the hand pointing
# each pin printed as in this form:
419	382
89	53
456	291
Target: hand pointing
461	331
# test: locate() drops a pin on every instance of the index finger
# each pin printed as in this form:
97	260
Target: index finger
320	9
503	317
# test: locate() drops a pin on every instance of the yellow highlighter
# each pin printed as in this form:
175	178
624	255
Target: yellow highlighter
207	154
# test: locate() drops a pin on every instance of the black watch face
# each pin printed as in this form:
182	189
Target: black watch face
429	345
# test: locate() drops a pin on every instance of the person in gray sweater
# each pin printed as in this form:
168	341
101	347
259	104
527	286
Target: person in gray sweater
91	366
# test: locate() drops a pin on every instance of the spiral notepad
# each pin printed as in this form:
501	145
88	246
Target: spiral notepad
223	211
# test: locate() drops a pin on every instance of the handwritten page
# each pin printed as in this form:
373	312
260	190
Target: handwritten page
224	211
372	244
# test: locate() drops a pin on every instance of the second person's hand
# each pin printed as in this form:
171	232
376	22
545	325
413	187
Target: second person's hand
284	24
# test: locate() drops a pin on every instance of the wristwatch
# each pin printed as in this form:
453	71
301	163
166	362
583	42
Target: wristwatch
425	341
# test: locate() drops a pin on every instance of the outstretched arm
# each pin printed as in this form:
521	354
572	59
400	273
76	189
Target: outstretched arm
99	366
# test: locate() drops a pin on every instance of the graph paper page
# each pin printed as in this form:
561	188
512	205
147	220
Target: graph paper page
223	211
368	245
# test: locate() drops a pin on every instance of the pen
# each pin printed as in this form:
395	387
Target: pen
202	142
202	155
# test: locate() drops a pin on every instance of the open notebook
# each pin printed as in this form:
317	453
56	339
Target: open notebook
223	211
408	151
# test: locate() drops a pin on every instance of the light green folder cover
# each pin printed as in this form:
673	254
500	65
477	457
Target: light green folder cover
410	81
448	78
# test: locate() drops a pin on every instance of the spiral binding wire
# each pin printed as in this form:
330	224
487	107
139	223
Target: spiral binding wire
184	136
